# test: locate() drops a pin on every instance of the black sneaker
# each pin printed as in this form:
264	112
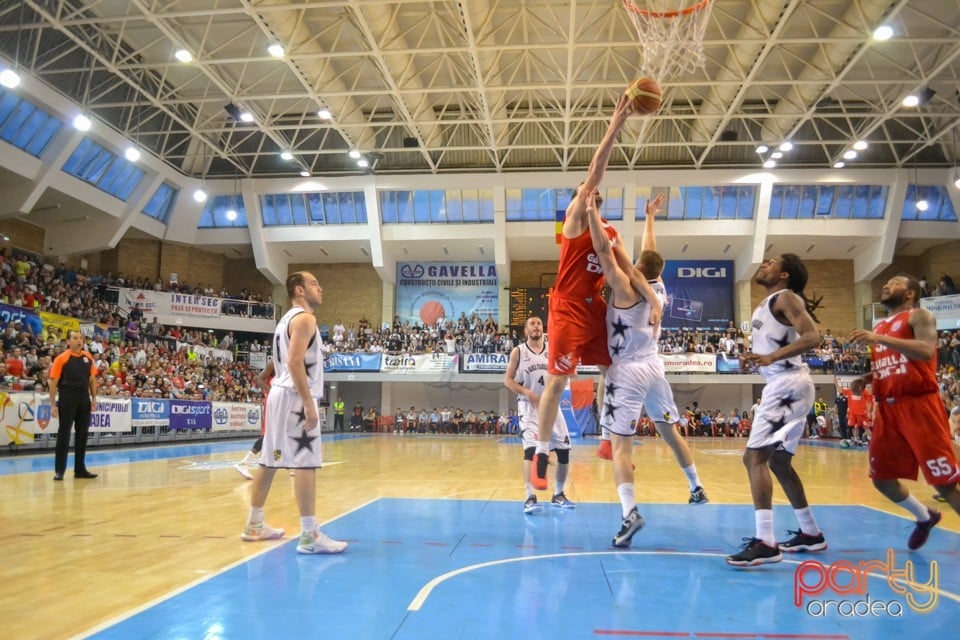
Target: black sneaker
631	524
754	552
560	500
531	505
803	542
939	498
922	531
698	496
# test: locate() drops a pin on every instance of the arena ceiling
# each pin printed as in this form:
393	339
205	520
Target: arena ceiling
450	86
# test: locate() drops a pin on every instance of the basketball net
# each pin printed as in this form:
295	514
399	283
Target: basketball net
671	34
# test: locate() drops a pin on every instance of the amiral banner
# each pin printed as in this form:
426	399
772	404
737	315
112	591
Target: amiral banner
428	291
485	362
700	294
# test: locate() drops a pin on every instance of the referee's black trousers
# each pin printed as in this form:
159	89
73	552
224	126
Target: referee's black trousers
74	409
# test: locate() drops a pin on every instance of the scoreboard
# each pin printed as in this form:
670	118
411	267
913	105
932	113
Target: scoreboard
526	302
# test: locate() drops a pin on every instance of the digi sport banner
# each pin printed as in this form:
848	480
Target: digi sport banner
428	291
700	294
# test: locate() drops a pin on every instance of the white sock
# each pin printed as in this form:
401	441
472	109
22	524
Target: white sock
807	524
764	518
308	523
914	506
543	447
605	434
558	488
530	490
256	516
692	476
627	501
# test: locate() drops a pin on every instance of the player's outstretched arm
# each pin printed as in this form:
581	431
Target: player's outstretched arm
604	247
652	210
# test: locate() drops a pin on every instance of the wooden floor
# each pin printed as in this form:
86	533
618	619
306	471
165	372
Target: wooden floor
82	553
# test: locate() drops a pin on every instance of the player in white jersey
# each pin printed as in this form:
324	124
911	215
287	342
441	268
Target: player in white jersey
525	376
636	376
783	329
291	439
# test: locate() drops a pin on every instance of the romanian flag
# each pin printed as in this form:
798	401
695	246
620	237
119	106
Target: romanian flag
558	228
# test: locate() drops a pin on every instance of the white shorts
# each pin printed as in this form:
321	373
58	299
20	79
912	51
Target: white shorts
285	444
782	414
632	386
528	431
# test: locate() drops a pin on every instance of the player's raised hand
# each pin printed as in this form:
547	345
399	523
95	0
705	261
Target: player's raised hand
655	206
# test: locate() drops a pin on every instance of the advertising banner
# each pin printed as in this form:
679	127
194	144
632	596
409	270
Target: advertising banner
21	416
946	309
700	294
234	416
728	364
429	291
162	303
258	360
110	414
58	325
351	362
208	352
189	414
150	412
425	363
485	362
689	362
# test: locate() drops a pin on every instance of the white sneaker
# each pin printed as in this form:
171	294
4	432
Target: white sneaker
317	542
255	533
242	471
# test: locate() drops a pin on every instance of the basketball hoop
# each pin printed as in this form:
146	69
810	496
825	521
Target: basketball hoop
671	34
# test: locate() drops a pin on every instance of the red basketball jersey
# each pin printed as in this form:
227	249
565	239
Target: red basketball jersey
857	404
579	274
894	374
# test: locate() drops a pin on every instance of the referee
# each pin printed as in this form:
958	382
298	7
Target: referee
74	374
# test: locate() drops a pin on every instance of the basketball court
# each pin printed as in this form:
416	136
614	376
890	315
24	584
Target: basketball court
440	547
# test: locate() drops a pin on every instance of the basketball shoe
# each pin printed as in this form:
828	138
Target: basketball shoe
754	552
531	506
631	524
922	531
317	542
803	542
257	532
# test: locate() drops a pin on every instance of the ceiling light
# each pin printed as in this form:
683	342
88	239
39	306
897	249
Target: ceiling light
82	123
354	154
246	116
956	182
9	78
776	155
762	148
324	114
883	32
286	155
839	164
910	101
922	205
183	55
304	174
769	164
363	163
275	50
849	154
132	154
200	195
786	146
231	214
860	145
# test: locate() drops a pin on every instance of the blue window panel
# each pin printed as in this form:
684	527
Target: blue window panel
692	199
530	203
360	207
844	201
454	202
161	203
315	209
824	201
12	125
388	207
791	203
77	157
878	203
348	208
268	211
612	203
746	202
470	206
331	208
284	212
727	203
39	143
97	167
129	180
110	181
405	208
214	215
711	203
513	207
486	208
436	205
28	129
808	202
947	212
8	102
776	202
298	206
861	201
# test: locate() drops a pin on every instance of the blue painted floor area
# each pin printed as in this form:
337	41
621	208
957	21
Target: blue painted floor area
499	574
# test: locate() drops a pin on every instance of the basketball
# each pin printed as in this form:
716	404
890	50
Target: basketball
430	312
644	94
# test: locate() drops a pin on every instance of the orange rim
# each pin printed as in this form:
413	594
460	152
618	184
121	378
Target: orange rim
666	14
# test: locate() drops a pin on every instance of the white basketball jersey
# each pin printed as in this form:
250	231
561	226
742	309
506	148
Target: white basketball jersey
312	359
630	336
769	334
531	374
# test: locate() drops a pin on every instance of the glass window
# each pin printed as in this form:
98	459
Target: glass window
218	210
844	201
161	203
878	202
298	207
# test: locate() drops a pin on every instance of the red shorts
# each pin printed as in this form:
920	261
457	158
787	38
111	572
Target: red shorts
578	333
858	420
911	433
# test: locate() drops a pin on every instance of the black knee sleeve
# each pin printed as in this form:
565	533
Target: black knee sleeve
528	453
563	456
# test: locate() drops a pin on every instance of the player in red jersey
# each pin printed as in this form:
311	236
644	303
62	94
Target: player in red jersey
860	403
910	428
576	324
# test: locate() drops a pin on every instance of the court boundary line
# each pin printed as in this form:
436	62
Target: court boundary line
425	591
126	615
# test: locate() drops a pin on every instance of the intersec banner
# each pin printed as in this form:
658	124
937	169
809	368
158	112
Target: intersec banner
188	310
428	291
236	416
426	363
351	362
189	414
485	362
700	294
